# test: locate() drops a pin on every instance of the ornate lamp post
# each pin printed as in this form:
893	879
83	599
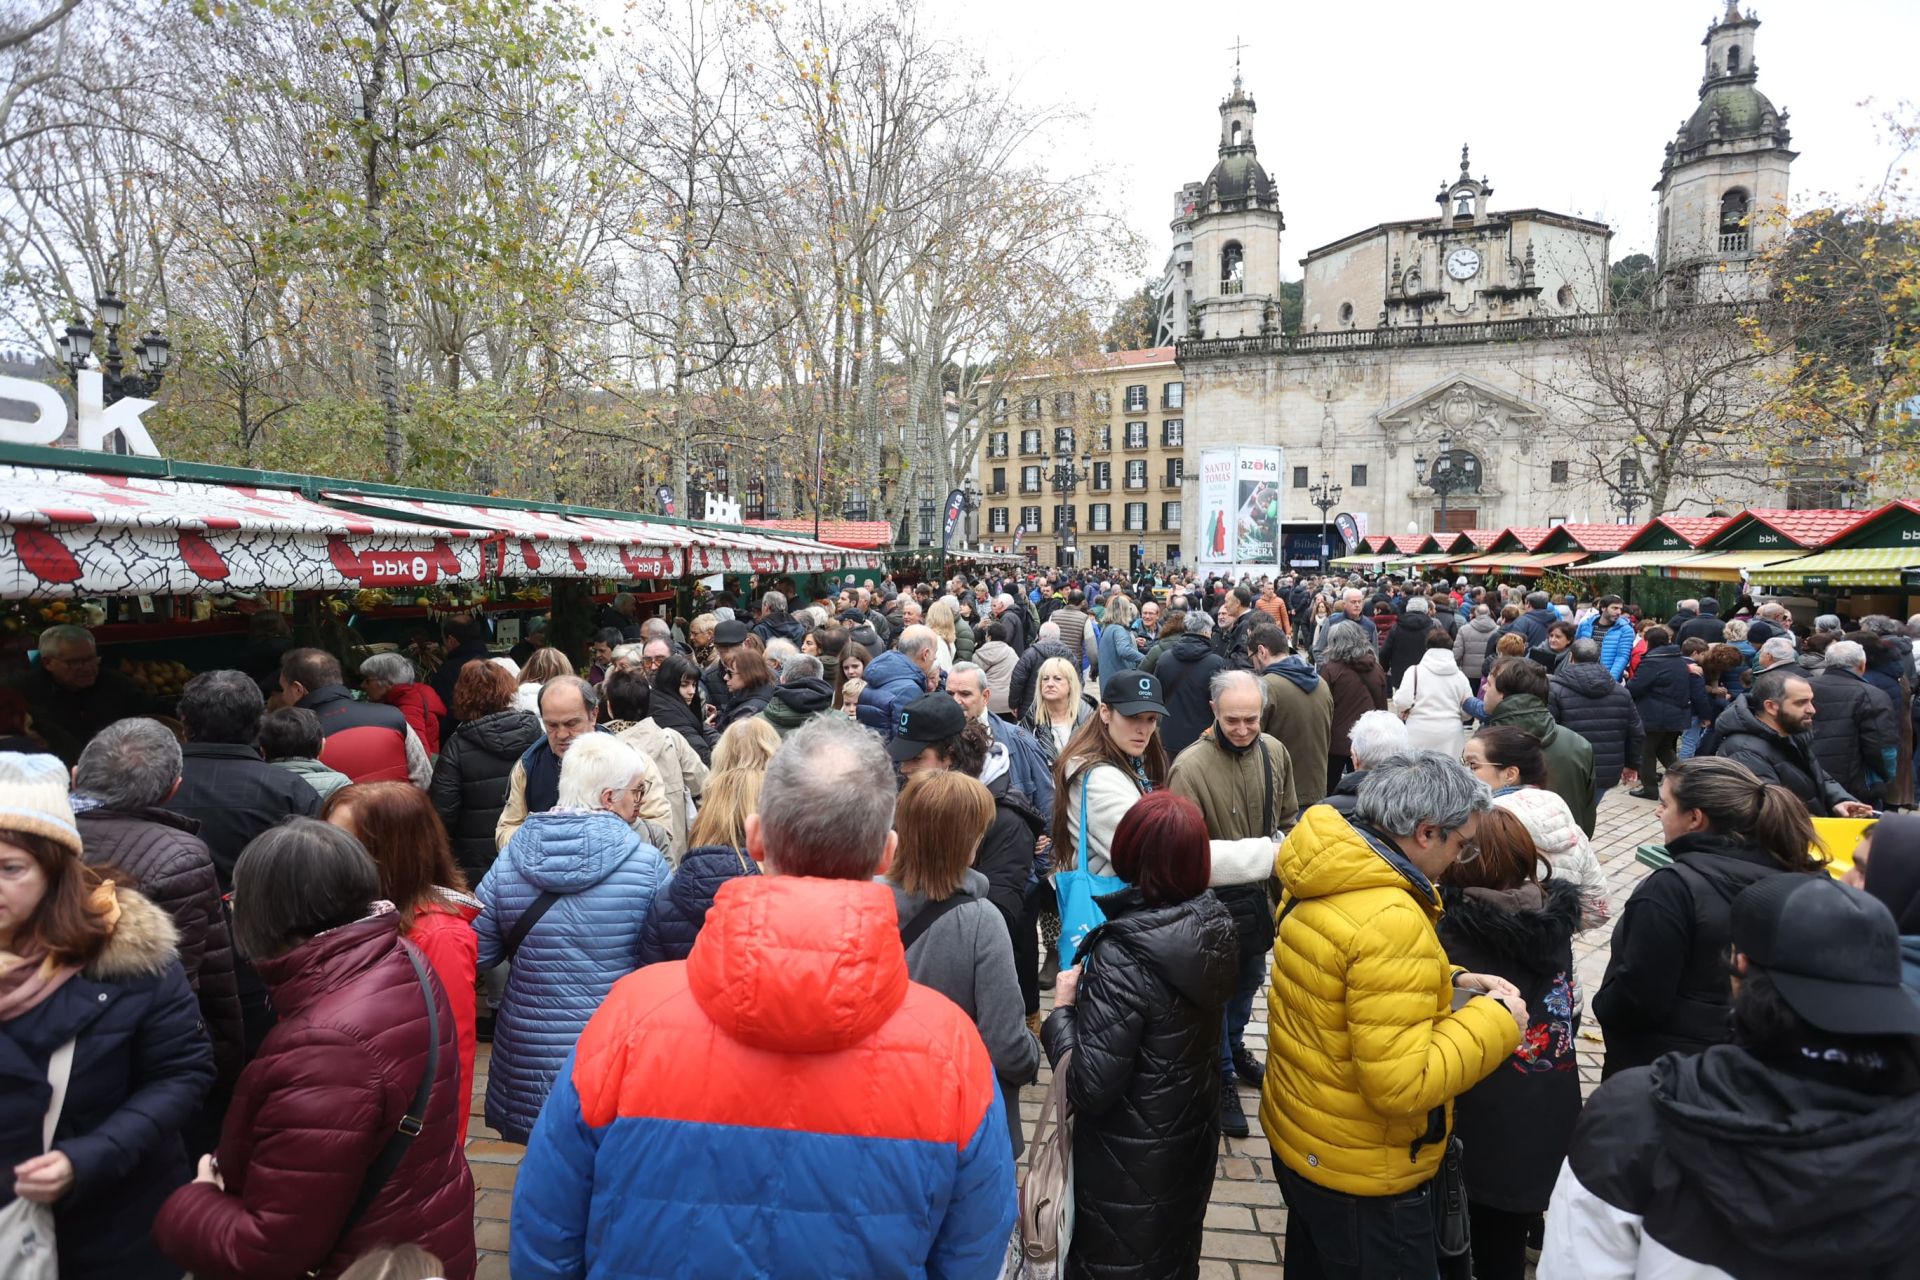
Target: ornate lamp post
1065	478
1630	491
1325	496
1453	470
150	354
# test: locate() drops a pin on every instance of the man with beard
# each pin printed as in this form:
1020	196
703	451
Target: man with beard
1769	732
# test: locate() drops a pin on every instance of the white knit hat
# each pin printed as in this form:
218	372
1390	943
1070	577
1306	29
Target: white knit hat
33	798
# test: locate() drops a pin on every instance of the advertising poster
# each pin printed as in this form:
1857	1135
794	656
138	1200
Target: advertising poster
1256	521
1216	541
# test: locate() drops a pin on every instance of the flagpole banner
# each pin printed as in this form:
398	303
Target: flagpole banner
956	508
1256	519
1216	539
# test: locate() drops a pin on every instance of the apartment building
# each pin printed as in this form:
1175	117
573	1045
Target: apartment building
1090	462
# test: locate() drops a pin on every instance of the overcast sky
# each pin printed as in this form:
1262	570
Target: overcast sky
1364	103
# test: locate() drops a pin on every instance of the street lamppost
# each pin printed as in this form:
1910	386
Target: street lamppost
1065	478
1325	496
1453	470
150	354
1631	490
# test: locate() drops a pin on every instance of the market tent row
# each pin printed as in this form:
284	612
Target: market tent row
74	532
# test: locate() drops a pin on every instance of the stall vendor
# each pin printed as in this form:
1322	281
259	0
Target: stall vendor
71	698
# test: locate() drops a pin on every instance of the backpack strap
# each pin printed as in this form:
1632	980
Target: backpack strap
913	930
529	918
1266	777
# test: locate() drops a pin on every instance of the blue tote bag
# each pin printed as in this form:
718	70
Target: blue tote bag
1079	891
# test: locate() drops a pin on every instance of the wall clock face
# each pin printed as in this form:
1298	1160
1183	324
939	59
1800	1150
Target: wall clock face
1463	264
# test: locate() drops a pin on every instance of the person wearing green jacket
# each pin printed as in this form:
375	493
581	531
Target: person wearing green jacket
1516	694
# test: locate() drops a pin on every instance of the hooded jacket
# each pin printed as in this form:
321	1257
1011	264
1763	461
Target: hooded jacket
892	682
313	1111
1704	1166
997	659
1470	647
1005	855
1405	645
443	931
680	907
470	782
171	867
1853	732
1516	1124
1299	714
1356	691
1559	839
1365	1051
1666	986
670	711
1569	756
682	774
606	877
1671	695
779	625
967	956
1185	671
1585	699
1775	757
424	710
141	1067
858	1108
1144	1083
1429	697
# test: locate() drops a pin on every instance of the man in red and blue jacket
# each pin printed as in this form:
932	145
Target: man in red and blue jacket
784	1101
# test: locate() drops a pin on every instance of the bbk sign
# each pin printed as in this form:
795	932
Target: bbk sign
97	419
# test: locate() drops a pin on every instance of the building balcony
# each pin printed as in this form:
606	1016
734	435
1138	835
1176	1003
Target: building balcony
1232	288
1735	241
1136	485
1170	484
1027	488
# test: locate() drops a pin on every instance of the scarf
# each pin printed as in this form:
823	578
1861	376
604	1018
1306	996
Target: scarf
1221	740
1139	766
30	975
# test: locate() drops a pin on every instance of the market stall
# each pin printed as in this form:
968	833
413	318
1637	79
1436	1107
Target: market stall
1874	562
1755	539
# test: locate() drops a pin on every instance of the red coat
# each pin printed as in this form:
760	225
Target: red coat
312	1112
445	937
422	708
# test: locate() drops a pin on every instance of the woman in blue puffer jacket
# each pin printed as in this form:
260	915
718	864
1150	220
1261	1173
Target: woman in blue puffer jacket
718	854
594	879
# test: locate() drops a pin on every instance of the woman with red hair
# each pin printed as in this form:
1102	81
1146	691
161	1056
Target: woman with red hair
1144	1079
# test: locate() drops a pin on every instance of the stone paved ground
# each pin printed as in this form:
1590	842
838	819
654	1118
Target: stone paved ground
1246	1224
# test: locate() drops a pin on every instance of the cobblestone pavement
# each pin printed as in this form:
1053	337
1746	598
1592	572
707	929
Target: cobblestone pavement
1246	1223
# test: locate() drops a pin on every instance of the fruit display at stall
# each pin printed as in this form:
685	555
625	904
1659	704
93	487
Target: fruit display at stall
159	677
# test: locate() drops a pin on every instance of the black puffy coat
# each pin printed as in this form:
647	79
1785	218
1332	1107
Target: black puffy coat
1583	697
779	626
745	704
172	869
1144	1084
1405	645
1517	1124
471	778
141	1066
1185	671
1853	731
680	907
1775	757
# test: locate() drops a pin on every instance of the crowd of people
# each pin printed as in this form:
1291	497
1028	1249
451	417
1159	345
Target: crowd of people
756	912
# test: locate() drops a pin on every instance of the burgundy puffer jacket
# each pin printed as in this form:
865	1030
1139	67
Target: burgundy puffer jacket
311	1114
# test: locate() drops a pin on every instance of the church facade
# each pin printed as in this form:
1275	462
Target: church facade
1462	344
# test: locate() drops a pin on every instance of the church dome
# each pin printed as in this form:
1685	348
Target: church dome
1239	180
1744	112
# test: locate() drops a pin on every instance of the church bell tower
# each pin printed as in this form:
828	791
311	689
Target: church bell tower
1236	226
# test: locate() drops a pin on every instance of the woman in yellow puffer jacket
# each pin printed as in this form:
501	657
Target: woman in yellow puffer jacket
1366	1049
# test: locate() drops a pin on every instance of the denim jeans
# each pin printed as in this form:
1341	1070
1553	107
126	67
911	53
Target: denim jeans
1690	740
1334	1236
1233	1028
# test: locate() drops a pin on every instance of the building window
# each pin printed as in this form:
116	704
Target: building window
755	507
1136	517
1733	221
1232	269
1554	522
1173	433
1062	516
1029	443
1357	478
799	495
855	505
1030	519
1136	435
1176	472
1557	473
1102	440
1100	517
1173	551
999	480
1029	479
1173	395
1103	475
1063	404
996	520
1063	441
1169	516
1733	61
1030	407
1137	398
1299	477
1346	313
926	509
1102	403
997	445
1137	473
1000	409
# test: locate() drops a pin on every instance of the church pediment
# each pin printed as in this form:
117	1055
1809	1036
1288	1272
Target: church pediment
1474	413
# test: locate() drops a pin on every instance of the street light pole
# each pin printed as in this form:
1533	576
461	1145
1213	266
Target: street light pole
150	353
1325	496
1065	478
1452	471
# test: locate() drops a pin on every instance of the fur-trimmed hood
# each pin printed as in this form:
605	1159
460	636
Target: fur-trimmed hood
1530	925
144	941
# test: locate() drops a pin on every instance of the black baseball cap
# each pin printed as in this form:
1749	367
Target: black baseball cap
1132	693
1833	953
929	718
730	633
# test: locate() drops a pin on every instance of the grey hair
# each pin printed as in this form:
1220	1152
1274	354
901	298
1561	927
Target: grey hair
589	695
130	764
1913	626
388	668
967	669
781	651
655	629
1780	649
1234	678
826	804
594	765
1846	655
1005	601
1377	735
916	640
1049	630
622	599
64	636
1538	599
632	652
1880	625
774	602
1829	622
1199	622
1403	791
1482	611
1584	650
1349	642
802	666
1772	609
722	613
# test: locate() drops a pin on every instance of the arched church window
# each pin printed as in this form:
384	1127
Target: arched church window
1733	221
1236	133
1232	267
1733	61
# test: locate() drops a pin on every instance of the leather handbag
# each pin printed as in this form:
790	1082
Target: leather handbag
1046	1196
27	1247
